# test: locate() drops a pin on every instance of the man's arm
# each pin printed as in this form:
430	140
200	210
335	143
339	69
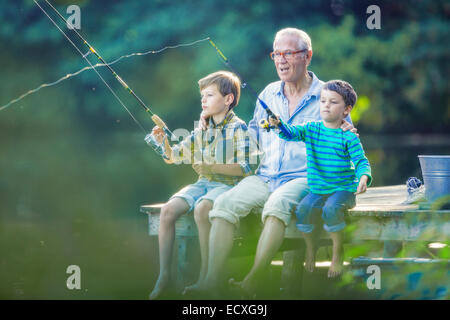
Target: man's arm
347	125
253	124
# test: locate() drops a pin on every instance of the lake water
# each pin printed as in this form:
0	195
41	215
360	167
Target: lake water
73	199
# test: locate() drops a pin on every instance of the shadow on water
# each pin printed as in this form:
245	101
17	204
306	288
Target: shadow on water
72	198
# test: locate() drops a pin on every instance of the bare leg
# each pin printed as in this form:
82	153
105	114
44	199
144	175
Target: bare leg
269	242
338	254
310	257
170	212
220	245
201	218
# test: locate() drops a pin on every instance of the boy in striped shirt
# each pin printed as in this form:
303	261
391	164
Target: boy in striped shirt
336	169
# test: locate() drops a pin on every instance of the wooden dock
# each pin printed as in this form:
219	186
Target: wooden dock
380	214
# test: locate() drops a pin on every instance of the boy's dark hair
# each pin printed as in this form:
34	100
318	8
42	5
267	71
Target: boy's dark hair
227	82
344	89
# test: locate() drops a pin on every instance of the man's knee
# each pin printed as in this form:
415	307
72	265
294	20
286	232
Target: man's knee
220	225
221	200
273	220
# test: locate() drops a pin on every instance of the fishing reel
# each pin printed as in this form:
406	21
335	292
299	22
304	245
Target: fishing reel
151	140
158	147
264	123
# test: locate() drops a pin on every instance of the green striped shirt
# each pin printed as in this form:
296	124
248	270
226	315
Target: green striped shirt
335	159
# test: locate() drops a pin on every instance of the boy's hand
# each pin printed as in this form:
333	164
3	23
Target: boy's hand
362	187
274	121
203	123
346	126
202	169
158	133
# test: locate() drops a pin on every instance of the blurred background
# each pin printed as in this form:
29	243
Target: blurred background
74	167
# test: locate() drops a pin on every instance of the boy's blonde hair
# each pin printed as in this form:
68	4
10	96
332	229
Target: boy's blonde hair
227	82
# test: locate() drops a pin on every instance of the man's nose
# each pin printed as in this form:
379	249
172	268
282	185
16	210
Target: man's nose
282	59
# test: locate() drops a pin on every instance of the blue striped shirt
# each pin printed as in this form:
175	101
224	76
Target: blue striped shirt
284	160
335	158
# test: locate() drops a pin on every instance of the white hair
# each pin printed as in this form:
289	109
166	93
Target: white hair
304	41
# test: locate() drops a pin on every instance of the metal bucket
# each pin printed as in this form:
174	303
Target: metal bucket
436	176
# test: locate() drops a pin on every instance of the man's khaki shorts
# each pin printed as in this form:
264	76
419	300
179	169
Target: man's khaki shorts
253	193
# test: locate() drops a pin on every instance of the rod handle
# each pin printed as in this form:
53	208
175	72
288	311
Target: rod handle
157	120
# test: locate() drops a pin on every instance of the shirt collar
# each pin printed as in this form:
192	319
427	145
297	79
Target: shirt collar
224	122
314	89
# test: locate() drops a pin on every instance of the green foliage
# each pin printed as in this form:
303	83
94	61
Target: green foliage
400	69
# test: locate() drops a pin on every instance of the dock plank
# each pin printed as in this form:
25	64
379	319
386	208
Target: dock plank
380	214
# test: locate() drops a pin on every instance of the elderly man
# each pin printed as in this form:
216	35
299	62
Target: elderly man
280	182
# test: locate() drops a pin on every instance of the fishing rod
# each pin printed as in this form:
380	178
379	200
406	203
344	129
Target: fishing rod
70	75
264	123
157	120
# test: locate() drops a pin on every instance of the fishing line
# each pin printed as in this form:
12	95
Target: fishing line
70	75
87	60
263	123
155	118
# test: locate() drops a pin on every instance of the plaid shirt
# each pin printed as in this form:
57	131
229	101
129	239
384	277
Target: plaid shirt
225	143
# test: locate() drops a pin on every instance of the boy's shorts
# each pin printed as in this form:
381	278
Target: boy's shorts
202	189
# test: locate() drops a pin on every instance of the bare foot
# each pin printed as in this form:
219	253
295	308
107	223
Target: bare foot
310	260
245	290
192	288
161	284
199	289
335	269
337	264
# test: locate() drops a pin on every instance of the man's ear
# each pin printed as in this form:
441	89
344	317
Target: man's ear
309	54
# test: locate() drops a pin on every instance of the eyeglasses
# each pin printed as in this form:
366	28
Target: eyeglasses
288	54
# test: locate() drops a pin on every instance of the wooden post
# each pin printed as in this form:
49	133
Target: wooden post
180	267
185	263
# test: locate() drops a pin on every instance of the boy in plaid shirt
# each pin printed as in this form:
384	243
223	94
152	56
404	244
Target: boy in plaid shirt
221	156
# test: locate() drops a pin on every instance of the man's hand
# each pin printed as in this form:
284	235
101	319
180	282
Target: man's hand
203	123
362	187
274	121
202	169
346	126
